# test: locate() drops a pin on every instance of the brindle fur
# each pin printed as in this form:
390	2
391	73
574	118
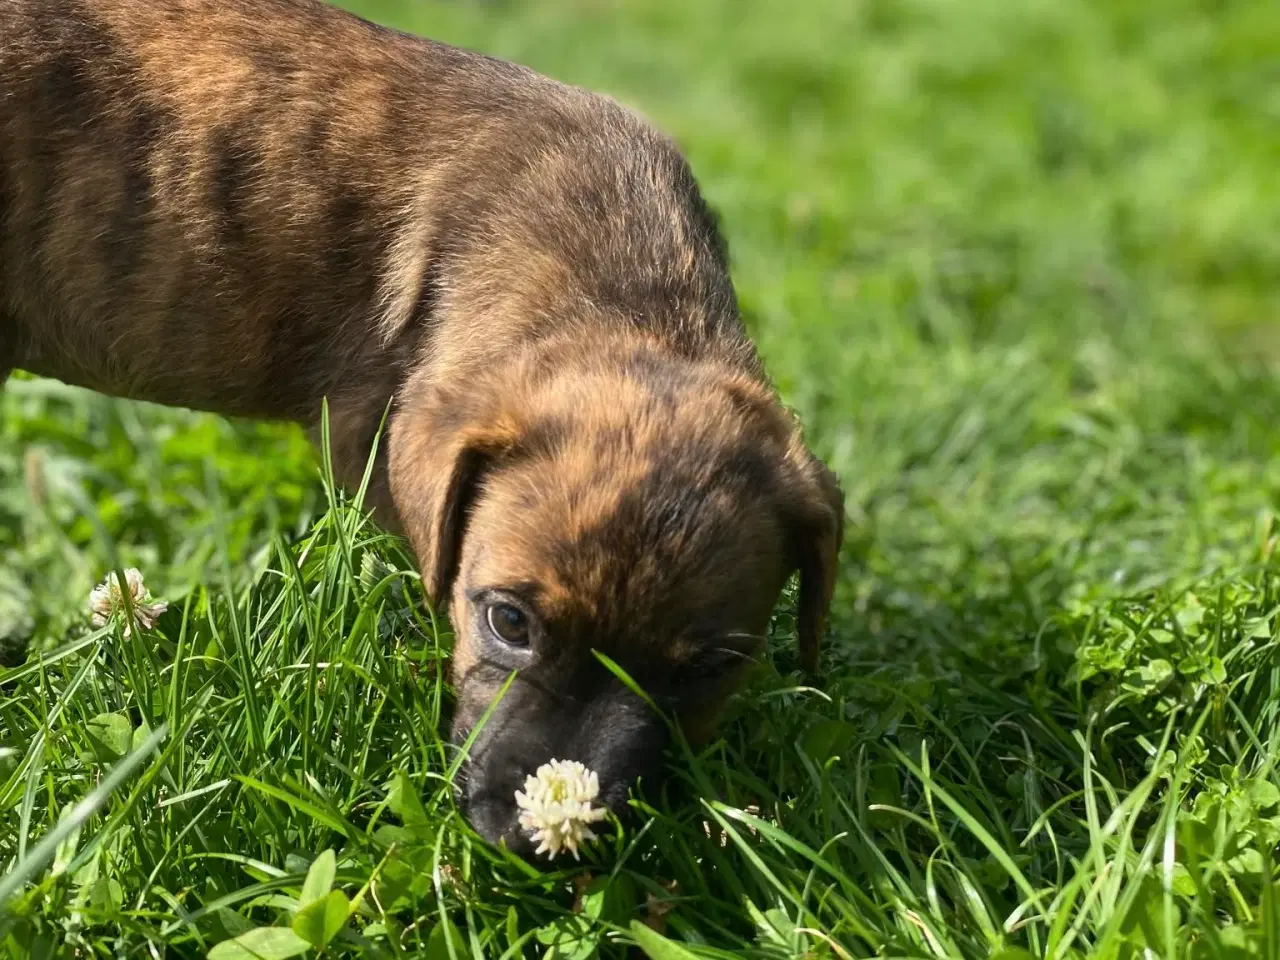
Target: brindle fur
246	206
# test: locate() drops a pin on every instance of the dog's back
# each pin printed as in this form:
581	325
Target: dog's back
248	205
235	204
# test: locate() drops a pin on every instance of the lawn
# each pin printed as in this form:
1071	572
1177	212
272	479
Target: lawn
1017	267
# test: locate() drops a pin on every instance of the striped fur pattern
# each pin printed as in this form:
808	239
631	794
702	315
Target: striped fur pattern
251	206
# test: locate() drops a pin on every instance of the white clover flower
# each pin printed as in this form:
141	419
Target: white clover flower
106	600
556	806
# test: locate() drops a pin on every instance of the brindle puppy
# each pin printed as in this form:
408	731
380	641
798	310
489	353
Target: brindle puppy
245	206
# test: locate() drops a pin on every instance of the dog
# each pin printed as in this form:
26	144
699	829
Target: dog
253	207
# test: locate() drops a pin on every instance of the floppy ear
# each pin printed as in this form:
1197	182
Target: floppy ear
812	512
437	466
815	515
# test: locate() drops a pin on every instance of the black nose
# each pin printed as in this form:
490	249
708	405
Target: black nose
614	734
497	820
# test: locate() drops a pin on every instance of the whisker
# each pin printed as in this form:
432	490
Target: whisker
738	635
740	654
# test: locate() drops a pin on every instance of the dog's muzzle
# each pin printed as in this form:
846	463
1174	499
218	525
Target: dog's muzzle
615	734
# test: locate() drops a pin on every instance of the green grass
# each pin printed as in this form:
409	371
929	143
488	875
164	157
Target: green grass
1016	264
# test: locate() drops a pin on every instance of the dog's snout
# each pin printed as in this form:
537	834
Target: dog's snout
496	815
489	801
613	734
496	819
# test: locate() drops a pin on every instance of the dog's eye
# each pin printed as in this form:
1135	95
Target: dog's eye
714	667
509	624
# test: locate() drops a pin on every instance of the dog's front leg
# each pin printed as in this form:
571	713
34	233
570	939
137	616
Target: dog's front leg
353	427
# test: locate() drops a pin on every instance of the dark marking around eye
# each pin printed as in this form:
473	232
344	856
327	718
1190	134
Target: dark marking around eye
705	676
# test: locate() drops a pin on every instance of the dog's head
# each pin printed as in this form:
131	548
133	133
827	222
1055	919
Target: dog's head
644	507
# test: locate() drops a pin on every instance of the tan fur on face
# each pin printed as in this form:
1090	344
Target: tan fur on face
538	480
251	206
